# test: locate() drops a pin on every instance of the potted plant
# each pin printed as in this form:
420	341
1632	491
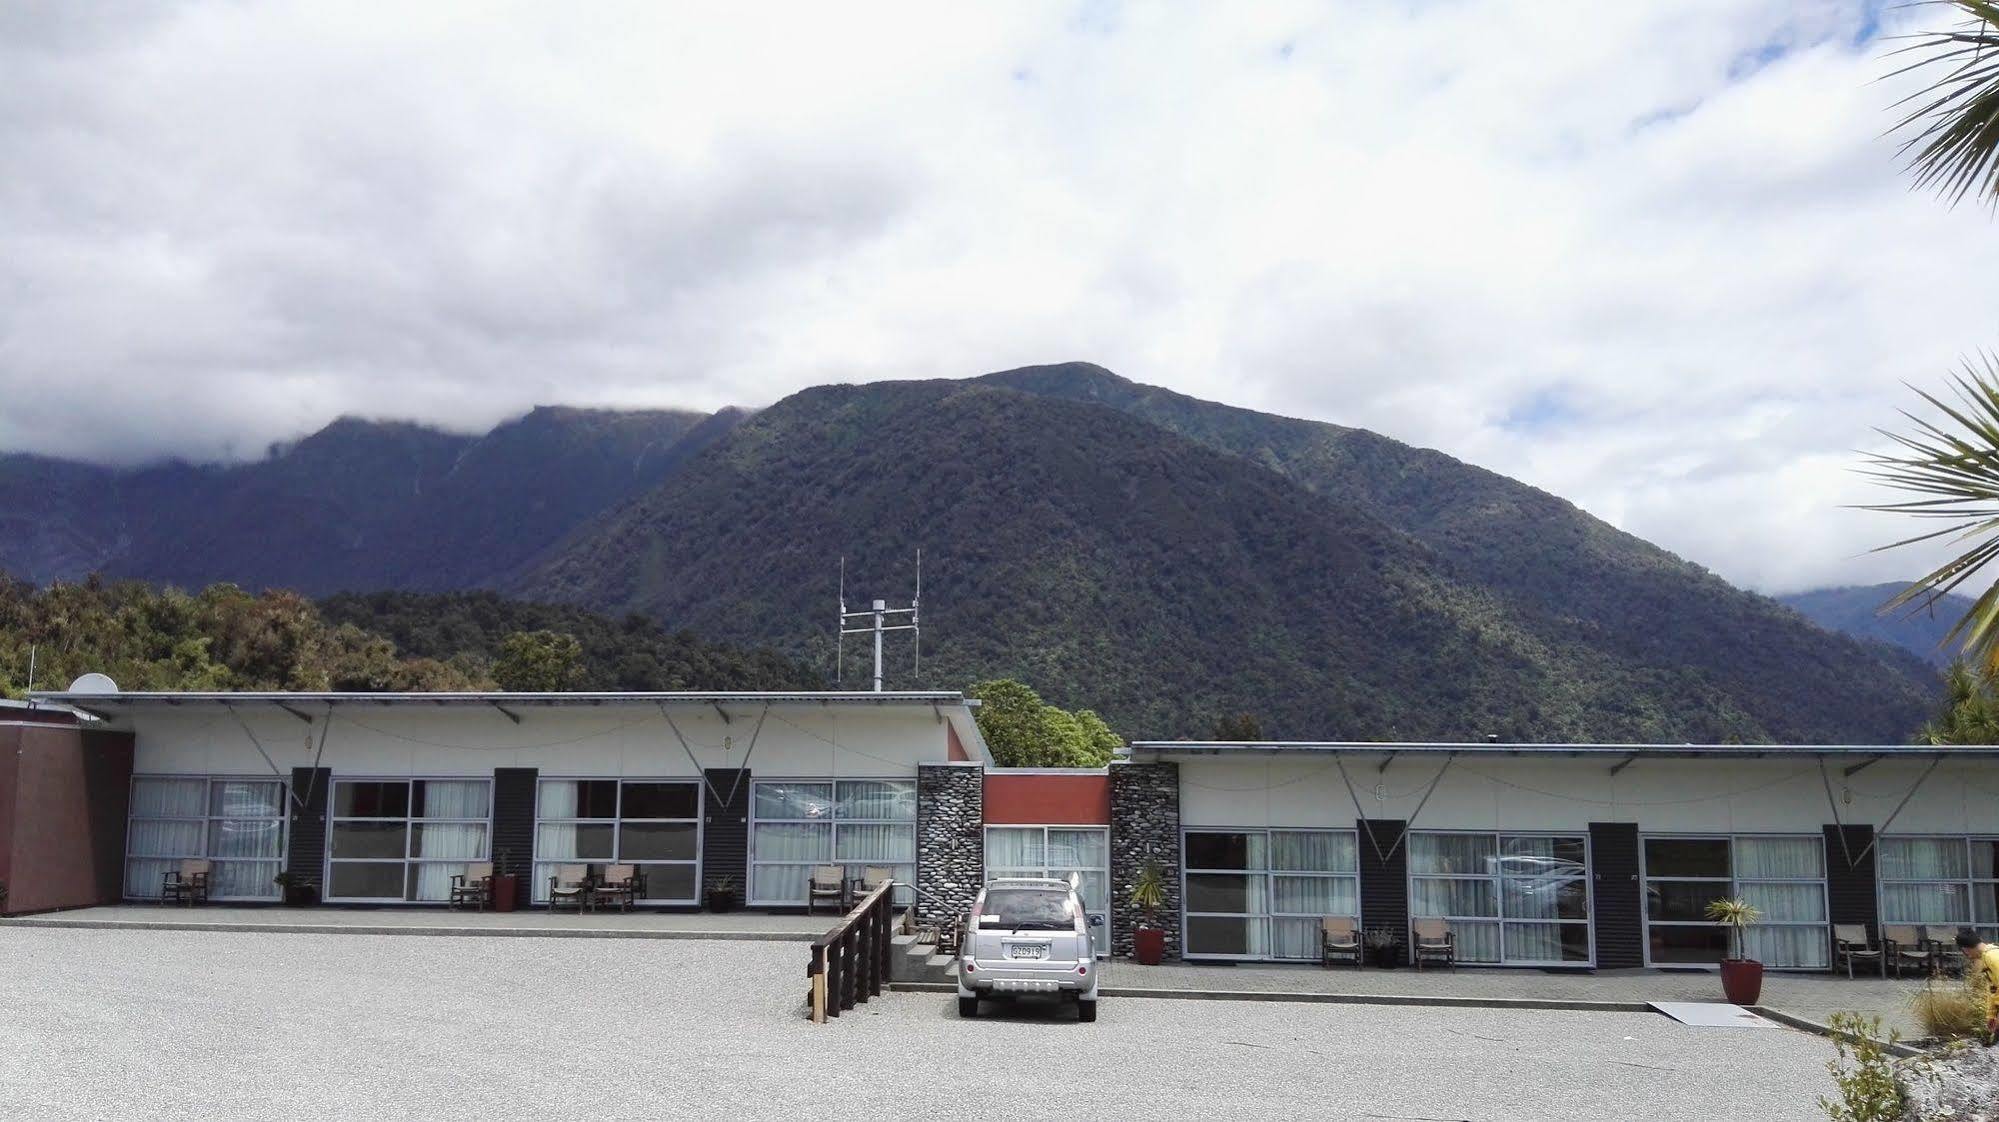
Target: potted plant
1741	976
724	893
506	886
298	891
1381	945
1148	895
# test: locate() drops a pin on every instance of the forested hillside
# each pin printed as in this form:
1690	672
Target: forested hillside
1166	582
1856	611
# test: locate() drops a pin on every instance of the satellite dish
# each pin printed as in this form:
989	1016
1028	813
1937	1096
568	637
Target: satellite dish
94	683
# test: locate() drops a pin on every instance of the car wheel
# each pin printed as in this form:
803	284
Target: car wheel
1086	1011
968	1007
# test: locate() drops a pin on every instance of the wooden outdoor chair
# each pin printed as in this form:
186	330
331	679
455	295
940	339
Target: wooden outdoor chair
1851	944
825	884
874	876
569	884
951	936
618	885
1433	943
187	884
1338	938
474	886
1905	946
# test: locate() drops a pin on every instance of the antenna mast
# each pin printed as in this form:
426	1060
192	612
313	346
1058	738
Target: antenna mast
875	620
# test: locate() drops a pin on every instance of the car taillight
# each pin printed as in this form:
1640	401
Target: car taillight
1082	970
970	966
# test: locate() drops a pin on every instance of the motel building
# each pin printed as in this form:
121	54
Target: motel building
1538	855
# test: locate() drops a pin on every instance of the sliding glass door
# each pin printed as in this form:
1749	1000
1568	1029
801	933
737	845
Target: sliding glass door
1511	899
1055	851
404	839
238	824
1950	881
856	824
652	823
1782	875
1260	894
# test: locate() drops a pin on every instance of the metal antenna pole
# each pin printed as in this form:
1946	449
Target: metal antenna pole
915	624
840	630
881	606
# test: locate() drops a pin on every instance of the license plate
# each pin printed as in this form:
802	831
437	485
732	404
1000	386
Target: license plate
1022	951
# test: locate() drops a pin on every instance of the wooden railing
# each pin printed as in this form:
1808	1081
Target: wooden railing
850	962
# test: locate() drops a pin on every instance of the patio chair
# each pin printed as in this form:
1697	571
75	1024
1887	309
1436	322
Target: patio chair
187	884
474	886
1851	944
1906	946
1338	939
1942	938
951	936
1433	943
825	884
873	876
618	885
569	884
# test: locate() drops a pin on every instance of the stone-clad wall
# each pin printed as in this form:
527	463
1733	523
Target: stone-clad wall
950	839
1145	828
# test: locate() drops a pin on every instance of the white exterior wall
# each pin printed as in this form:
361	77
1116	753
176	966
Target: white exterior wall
1783	795
608	740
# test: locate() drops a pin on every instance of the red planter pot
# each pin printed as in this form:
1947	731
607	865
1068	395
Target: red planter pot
506	892
1148	945
1742	980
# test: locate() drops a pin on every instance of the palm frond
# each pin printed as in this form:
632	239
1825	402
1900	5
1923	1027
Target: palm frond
1955	146
1951	464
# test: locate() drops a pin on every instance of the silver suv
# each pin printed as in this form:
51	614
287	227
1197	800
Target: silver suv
1029	937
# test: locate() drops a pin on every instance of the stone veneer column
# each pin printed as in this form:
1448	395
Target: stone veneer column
950	839
1145	829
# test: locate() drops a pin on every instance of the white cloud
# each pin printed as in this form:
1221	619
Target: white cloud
1657	258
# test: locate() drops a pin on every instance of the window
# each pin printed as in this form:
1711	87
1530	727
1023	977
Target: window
1784	877
1948	881
238	824
1262	893
1055	851
404	839
651	823
855	823
1515	899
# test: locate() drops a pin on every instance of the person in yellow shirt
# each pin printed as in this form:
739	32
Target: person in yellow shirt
1983	956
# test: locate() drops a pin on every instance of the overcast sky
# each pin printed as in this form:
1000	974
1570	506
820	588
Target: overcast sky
1656	257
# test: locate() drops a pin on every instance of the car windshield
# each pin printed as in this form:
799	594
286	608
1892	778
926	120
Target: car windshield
1027	909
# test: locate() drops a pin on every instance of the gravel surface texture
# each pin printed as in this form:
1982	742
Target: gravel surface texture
166	1024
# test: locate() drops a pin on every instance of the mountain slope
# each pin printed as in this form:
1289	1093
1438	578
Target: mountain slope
1856	610
1116	563
357	505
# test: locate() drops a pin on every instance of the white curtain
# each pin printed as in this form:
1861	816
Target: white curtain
1793	947
1313	851
433	879
1923	903
1460	897
1533	942
169	798
1779	858
797	846
1470	854
1015	850
1923	859
1315	896
459	798
1475	942
874	845
876	799
804	801
1294	938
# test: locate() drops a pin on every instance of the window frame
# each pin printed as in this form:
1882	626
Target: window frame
1044	870
1970	882
538	891
208	819
1498	879
410	830
1268	916
834	821
1733	883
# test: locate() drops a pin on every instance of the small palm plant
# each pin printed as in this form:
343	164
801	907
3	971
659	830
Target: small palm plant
1148	892
1734	913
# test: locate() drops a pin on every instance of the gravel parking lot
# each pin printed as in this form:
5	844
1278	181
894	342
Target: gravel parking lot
157	1024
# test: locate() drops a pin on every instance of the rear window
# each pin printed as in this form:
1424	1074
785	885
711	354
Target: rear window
1029	908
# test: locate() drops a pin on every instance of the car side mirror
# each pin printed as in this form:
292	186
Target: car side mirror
1096	921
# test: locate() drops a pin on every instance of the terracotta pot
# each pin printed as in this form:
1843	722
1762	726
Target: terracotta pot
1742	980
1148	945
506	892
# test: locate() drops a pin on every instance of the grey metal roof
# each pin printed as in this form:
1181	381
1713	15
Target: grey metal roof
99	701
1280	748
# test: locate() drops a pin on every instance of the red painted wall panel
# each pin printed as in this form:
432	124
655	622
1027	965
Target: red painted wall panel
71	788
1054	799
